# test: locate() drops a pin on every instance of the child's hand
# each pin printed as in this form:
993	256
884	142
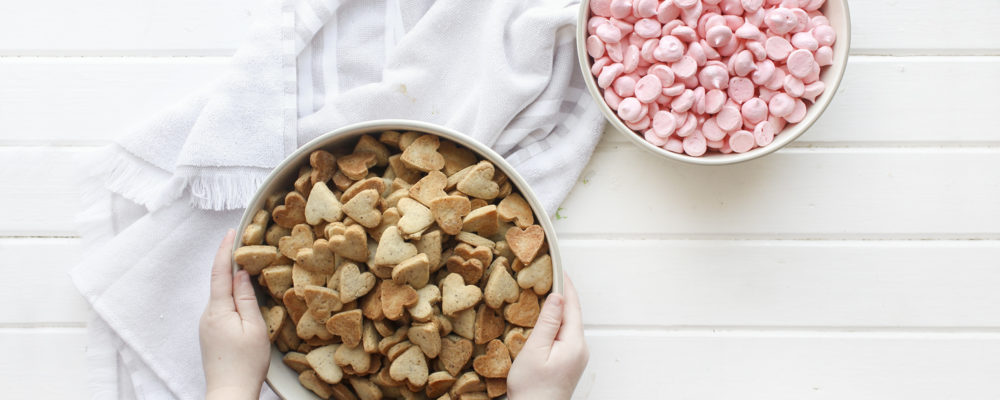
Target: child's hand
553	358
234	344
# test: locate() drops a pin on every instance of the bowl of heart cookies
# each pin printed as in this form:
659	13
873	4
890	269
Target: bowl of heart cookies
396	259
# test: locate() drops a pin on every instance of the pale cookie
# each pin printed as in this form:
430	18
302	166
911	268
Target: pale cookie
377	184
300	238
355	166
302	277
393	198
427	337
457	296
489	324
278	279
407	138
538	275
369	337
292	213
422	154
526	243
392	249
322	205
415	217
254	232
467	383
479	203
398	349
254	259
500	286
495	363
438	383
310	380
429	188
319	257
321	301
453	179
449	211
352	244
430	244
455	353
353	357
410	367
478	182
427	296
464	323
515	208
362	208
403	172
525	311
368	144
275	233
347	325
391	340
456	157
390	138
482	220
395	298
321	361
274	319
475	240
414	271
309	327
354	283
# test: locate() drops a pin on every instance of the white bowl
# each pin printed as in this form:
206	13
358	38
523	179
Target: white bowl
282	379
840	20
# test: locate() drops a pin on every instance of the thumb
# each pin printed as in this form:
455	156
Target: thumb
547	326
246	300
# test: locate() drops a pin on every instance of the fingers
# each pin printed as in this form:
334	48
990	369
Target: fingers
221	296
547	326
572	317
245	299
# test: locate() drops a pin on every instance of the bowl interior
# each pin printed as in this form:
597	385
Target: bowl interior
835	10
282	379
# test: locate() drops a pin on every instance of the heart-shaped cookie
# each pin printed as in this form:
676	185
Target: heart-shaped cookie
254	259
463	323
374	183
347	325
411	367
427	296
515	208
422	154
438	384
395	298
448	212
478	182
525	243
352	357
402	171
457	296
274	320
362	208
415	217
254	232
352	244
495	363
321	361
482	220
368	144
309	327
500	286
489	324
353	283
392	249
456	157
321	301
481	253
515	340
319	257
371	303
470	270
427	337
455	353
525	311
278	279
301	237
355	165
324	165
295	304
414	271
467	385
322	205
538	275
292	213
429	188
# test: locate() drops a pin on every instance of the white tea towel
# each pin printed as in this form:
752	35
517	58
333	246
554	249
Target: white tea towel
502	72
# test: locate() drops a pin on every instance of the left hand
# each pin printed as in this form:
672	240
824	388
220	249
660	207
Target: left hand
235	349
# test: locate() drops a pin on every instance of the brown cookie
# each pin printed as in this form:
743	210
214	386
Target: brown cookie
455	353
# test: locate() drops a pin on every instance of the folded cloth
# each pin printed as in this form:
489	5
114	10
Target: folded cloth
160	197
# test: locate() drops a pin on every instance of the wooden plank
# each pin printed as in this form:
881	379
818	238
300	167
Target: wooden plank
795	193
754	283
98	99
67	101
36	278
626	366
123	27
186	27
46	363
878	104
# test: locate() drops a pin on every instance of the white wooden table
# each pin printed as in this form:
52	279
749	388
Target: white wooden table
863	262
